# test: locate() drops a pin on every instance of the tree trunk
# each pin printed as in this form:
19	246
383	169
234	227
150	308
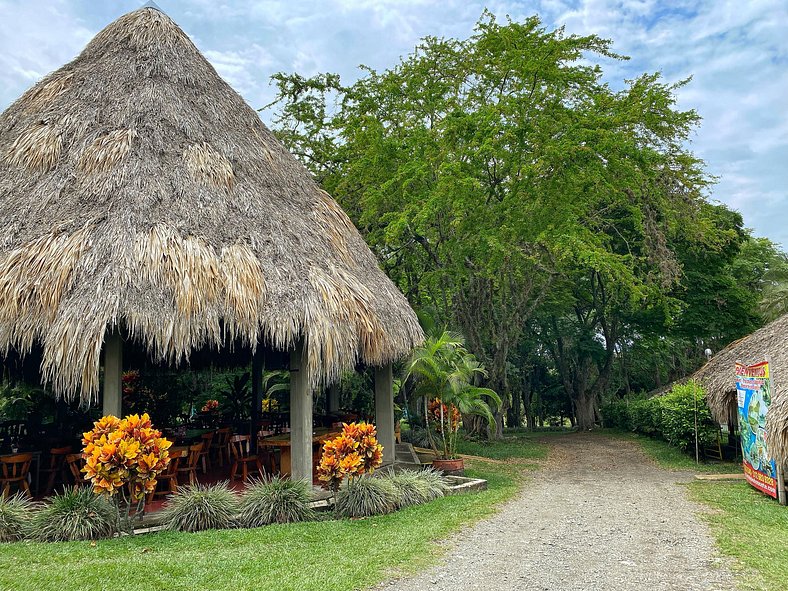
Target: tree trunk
584	409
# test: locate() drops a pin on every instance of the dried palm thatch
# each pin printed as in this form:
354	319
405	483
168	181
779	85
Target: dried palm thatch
718	377
138	190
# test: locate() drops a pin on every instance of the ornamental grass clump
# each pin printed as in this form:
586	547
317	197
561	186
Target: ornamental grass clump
417	487
199	507
15	515
76	514
436	482
275	500
367	496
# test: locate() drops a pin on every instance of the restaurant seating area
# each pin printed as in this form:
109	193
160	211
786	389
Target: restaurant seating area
198	454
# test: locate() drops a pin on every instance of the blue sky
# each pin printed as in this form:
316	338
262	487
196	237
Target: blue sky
736	51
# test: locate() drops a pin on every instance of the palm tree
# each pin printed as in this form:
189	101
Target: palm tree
446	375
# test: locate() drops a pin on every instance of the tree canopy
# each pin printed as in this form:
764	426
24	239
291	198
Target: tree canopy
516	196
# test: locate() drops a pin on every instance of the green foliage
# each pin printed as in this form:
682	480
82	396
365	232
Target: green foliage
417	436
443	369
415	487
275	500
367	496
15	515
73	515
671	416
506	188
646	414
200	507
678	417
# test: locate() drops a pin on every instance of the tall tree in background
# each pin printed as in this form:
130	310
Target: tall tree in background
504	185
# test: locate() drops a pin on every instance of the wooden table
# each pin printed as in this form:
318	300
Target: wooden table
319	437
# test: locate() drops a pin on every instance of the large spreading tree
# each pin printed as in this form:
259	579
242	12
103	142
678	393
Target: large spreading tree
513	194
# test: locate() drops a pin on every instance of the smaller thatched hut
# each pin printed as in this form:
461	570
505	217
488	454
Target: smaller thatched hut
718	377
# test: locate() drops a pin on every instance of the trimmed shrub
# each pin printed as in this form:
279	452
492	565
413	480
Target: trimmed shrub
199	507
678	417
616	415
275	500
642	415
367	496
416	487
645	416
15	515
75	514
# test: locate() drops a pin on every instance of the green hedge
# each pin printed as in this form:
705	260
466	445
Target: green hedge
671	417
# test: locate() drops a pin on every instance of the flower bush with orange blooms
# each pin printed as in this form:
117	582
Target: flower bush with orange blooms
354	452
120	452
446	418
210	406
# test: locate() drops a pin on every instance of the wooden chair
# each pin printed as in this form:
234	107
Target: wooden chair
192	457
74	462
267	455
169	477
242	457
205	454
15	472
221	440
56	467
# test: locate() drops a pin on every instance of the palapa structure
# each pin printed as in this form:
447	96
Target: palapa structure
718	377
141	198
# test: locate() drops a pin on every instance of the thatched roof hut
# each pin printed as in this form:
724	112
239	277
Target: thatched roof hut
718	377
140	193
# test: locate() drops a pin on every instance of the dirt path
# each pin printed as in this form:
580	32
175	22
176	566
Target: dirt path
599	516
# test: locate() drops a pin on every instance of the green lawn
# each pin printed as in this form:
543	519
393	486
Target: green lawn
750	527
325	556
671	458
514	445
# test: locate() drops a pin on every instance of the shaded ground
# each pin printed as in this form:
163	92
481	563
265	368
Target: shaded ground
598	516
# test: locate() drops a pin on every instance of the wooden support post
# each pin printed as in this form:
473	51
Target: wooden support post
257	395
332	398
300	415
384	411
113	375
781	496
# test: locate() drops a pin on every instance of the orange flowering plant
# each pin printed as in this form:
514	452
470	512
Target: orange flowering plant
354	452
124	456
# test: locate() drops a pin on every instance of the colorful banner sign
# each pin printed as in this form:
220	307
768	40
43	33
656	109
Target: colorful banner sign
754	394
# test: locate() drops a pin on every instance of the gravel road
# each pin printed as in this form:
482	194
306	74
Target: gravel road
598	516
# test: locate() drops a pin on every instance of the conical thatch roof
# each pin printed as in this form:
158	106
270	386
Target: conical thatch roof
138	190
718	377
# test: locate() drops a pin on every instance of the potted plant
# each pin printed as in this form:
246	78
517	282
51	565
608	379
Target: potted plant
446	374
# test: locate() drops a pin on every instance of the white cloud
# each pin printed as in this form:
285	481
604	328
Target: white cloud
736	51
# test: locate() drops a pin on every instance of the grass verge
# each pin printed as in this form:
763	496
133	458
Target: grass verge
672	458
749	527
324	556
515	445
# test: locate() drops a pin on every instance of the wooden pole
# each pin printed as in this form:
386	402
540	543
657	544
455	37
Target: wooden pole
257	393
113	375
332	398
384	411
779	473
300	415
